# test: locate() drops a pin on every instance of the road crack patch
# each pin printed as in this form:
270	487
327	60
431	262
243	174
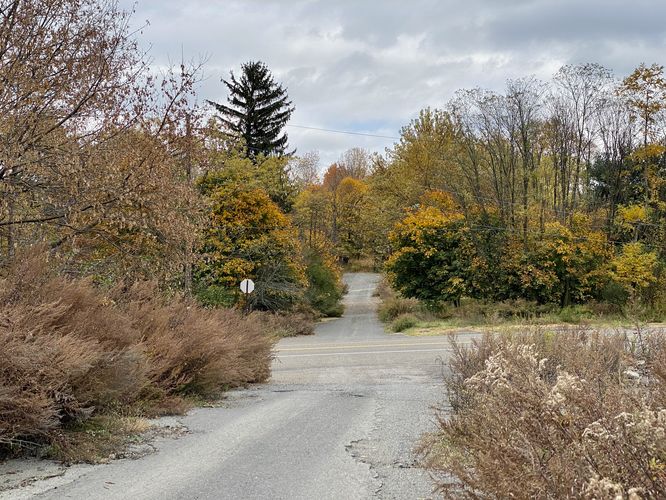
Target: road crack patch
362	450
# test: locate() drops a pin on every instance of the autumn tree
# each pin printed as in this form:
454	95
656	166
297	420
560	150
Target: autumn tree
524	101
352	216
575	101
429	262
85	159
565	265
645	90
248	237
355	162
422	160
614	178
269	173
486	129
304	169
634	269
551	181
312	215
325	288
333	177
257	110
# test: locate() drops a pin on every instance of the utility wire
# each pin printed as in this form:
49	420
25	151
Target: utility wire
347	132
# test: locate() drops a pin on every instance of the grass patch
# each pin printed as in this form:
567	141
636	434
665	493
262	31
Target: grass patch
97	439
362	265
482	316
286	325
395	307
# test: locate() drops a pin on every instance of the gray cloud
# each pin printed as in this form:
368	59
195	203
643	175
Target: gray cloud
370	66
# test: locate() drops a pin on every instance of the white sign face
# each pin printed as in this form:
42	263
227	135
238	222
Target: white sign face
247	286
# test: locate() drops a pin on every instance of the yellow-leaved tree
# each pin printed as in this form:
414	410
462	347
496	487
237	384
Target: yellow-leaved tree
352	208
430	261
634	269
249	237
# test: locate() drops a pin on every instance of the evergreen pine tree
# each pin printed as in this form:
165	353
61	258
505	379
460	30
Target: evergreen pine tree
257	111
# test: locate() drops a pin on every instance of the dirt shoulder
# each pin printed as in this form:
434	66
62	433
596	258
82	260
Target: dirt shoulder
26	477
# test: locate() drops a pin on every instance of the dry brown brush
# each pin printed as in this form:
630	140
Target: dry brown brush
71	352
282	325
575	414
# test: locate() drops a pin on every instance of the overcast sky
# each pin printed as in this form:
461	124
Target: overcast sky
370	66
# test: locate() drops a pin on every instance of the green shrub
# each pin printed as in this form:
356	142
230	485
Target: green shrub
397	306
575	314
479	311
215	296
324	288
336	311
404	322
614	293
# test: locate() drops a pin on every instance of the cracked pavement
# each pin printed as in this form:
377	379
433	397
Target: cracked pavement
340	419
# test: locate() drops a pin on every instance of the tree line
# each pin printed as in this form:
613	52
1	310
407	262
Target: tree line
549	191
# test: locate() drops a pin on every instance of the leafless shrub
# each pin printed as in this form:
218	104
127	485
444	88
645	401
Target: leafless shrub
70	352
193	349
554	415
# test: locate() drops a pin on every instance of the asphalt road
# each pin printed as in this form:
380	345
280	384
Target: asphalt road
339	420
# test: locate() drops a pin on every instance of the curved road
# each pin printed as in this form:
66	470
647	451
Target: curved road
339	420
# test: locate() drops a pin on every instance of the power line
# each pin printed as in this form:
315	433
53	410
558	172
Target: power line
347	132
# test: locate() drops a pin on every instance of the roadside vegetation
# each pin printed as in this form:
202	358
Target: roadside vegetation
539	205
77	356
412	316
544	199
131	208
540	414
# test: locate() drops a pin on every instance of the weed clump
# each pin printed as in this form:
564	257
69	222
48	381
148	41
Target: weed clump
404	322
281	325
576	414
394	307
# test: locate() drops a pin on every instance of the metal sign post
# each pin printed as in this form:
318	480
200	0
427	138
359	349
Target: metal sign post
247	287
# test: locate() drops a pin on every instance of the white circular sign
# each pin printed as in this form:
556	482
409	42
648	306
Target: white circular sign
247	286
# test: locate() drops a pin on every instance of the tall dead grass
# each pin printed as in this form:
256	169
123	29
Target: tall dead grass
70	352
555	415
294	324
